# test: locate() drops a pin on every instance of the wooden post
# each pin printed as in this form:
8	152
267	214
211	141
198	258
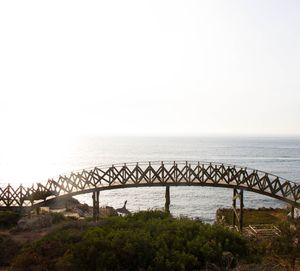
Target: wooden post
234	207
96	205
293	212
241	210
167	196
238	217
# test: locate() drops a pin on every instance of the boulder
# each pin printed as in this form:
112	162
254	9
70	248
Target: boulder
107	211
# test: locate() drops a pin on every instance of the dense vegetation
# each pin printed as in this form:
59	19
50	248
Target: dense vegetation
284	250
8	249
8	219
143	241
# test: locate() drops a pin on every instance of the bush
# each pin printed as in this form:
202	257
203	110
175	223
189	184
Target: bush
8	250
144	241
44	254
8	219
57	218
285	249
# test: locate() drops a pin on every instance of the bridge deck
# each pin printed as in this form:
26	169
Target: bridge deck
191	173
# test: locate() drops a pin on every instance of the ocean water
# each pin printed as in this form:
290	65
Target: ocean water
33	161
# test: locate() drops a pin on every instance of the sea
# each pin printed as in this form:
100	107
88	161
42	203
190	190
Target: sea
29	161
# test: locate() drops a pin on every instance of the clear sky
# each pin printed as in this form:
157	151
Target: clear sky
149	67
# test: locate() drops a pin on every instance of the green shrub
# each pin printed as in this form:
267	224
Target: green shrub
8	219
57	218
285	249
45	253
143	241
8	250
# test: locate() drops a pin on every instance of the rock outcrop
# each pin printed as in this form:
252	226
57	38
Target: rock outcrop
123	210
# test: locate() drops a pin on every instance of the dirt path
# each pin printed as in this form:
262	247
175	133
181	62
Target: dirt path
25	236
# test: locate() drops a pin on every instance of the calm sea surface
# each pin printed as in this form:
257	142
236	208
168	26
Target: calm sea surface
27	162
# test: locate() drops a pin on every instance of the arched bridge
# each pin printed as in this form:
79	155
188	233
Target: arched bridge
187	173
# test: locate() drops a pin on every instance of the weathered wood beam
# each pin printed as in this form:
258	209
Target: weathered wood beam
96	205
234	207
167	196
241	210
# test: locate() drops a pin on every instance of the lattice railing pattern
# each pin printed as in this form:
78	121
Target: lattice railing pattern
154	174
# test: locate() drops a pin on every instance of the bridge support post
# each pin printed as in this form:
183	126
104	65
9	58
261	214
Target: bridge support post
238	216
241	210
293	212
167	196
96	205
234	207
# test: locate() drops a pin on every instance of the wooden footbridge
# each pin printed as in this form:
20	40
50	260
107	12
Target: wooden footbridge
145	174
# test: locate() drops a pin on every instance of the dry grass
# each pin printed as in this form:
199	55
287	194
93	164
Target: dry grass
254	216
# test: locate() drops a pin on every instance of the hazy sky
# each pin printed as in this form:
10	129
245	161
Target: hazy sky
149	67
